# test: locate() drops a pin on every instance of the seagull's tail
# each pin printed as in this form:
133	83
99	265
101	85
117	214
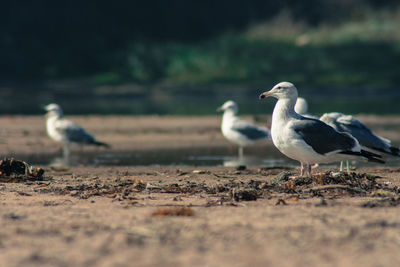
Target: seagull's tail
395	151
392	151
98	143
372	157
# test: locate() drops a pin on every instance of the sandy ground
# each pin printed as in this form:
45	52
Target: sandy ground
190	216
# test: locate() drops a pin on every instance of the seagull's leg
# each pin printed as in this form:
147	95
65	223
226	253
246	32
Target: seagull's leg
66	151
302	169
240	152
341	166
309	169
348	166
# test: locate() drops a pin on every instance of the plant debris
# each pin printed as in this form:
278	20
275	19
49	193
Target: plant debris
234	189
281	202
12	170
177	211
327	183
385	202
362	181
245	194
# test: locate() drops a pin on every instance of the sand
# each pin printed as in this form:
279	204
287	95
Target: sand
191	216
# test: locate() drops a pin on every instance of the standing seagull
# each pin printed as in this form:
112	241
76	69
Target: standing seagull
65	131
349	124
308	140
367	140
239	131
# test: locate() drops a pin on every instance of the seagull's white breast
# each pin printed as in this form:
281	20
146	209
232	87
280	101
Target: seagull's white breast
51	127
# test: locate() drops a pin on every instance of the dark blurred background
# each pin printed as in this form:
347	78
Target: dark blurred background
188	57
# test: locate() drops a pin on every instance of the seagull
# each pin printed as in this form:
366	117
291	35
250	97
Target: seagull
368	140
65	131
309	140
301	108
239	131
349	124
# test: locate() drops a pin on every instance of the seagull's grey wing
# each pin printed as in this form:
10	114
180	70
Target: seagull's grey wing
73	132
350	121
250	131
363	134
385	140
322	137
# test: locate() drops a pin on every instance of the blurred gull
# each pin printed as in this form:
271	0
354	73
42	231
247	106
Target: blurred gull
309	140
239	131
301	108
65	131
367	140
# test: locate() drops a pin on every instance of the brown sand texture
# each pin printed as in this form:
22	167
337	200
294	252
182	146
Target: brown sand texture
188	215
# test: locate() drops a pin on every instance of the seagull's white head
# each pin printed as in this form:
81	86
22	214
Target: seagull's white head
229	105
281	91
301	106
53	109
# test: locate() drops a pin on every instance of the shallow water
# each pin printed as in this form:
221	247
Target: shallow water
165	157
216	156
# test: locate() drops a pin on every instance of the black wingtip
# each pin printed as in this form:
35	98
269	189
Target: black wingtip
372	157
97	143
395	151
370	154
392	151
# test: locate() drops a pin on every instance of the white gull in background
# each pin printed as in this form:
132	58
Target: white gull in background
301	108
239	131
309	140
65	131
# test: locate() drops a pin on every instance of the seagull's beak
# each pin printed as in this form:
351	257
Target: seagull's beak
220	109
266	94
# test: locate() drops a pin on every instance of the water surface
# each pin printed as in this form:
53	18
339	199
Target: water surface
213	156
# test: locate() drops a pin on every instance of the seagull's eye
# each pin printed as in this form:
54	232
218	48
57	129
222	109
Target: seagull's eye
279	87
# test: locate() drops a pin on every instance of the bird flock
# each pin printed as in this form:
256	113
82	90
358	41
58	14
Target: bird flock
334	137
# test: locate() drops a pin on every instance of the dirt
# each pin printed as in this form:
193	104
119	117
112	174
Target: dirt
190	216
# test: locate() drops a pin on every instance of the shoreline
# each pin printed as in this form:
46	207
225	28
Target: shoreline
191	215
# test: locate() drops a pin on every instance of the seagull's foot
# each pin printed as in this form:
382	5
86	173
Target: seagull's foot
305	170
316	165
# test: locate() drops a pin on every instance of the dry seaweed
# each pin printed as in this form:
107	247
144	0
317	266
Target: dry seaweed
322	185
245	194
281	202
12	170
385	202
177	211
